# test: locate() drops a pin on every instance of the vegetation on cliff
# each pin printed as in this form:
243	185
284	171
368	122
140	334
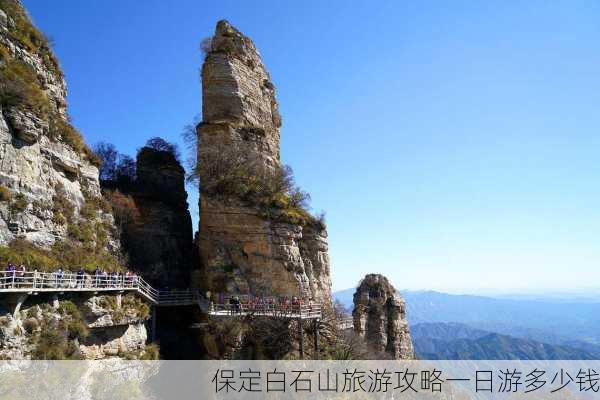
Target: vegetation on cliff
25	33
63	254
77	327
226	171
55	334
22	89
149	202
85	245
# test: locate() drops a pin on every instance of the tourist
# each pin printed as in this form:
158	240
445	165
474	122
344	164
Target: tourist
127	278
10	274
97	275
80	277
105	279
231	305
21	274
36	278
58	277
88	281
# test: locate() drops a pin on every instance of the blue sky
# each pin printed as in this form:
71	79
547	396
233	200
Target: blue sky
453	145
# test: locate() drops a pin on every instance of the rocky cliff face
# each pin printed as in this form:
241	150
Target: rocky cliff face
51	209
157	229
245	248
76	327
380	317
43	159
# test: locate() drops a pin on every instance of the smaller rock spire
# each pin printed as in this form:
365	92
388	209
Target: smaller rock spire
380	317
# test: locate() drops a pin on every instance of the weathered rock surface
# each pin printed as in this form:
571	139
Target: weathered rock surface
242	251
159	237
31	163
113	330
238	97
380	317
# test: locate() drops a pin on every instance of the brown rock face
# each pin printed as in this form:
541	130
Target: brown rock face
238	97
241	250
157	234
380	317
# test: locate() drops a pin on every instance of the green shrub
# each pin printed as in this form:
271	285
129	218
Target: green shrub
50	345
32	312
108	302
59	219
29	36
151	352
41	205
82	232
133	305
234	171
30	325
19	203
20	88
117	315
69	308
62	206
77	329
23	252
89	210
5	194
65	253
76	254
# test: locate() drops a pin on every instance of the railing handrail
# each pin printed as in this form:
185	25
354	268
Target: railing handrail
67	280
292	311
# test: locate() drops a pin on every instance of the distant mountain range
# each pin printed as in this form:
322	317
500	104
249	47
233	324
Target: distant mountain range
453	341
476	327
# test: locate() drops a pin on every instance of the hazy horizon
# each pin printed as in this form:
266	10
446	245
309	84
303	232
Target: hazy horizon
584	295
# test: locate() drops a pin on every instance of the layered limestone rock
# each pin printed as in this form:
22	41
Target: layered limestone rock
41	155
158	237
242	250
50	200
380	317
95	327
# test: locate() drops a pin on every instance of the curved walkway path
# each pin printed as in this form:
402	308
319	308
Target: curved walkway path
37	282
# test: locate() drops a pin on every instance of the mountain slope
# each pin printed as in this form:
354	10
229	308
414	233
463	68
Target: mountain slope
460	342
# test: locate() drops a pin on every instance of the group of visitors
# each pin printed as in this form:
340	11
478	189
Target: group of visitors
18	277
261	304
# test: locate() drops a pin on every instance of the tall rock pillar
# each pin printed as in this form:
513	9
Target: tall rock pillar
243	250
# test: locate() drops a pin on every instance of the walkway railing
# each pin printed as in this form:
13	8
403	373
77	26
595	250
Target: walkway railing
32	282
177	297
345	323
303	311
